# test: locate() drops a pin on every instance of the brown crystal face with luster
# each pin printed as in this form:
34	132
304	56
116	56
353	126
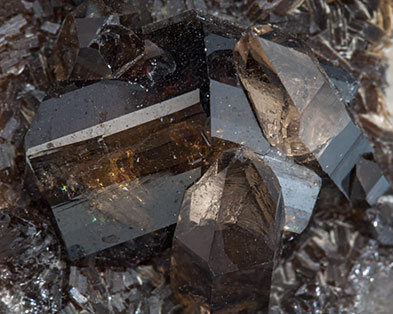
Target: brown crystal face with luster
275	109
298	108
121	165
229	230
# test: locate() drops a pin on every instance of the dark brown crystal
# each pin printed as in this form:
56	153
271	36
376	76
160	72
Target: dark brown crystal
228	235
92	48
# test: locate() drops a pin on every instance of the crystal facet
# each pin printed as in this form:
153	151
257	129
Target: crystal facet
228	235
107	156
298	109
231	118
369	182
300	187
382	220
94	48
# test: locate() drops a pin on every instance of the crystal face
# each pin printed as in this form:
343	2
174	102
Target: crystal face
300	187
298	109
237	209
369	183
382	220
95	47
229	105
321	271
115	167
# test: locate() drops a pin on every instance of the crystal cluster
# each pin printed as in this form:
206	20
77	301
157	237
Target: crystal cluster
229	230
140	289
25	245
137	109
117	155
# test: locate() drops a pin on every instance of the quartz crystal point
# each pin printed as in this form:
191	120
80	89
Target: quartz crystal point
113	161
369	182
227	239
299	110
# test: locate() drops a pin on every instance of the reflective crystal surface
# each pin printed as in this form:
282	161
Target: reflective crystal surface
300	187
140	289
91	48
332	267
115	168
237	209
369	182
231	117
300	112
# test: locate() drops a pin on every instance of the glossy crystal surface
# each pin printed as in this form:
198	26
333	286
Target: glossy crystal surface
369	183
116	167
237	209
300	112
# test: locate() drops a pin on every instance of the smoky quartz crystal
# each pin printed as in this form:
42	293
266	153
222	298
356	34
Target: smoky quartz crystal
228	236
300	111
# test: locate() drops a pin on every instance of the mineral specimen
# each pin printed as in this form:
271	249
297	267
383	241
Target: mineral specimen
106	157
227	239
229	106
299	111
369	182
125	290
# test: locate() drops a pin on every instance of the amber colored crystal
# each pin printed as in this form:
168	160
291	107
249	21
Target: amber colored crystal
116	159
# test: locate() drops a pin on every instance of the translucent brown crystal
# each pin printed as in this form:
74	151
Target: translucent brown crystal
114	160
228	235
231	116
91	48
299	110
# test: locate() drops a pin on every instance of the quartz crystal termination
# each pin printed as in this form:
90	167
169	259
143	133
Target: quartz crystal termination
113	162
228	236
300	112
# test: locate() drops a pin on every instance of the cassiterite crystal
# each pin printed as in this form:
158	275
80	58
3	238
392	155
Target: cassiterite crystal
299	110
228	236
